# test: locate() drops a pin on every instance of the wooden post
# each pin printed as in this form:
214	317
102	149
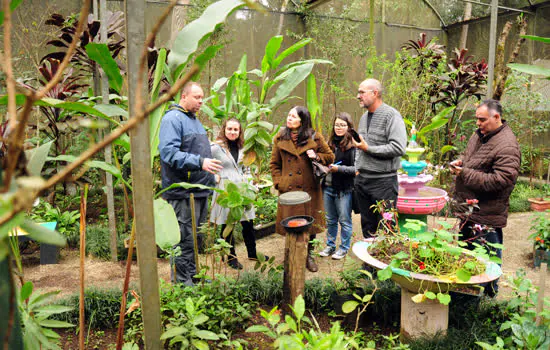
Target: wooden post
425	319
108	152
142	180
295	265
542	288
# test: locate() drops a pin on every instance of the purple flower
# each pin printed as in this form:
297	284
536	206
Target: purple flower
387	216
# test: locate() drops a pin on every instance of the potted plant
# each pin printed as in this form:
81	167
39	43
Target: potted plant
266	213
540	235
541	203
431	264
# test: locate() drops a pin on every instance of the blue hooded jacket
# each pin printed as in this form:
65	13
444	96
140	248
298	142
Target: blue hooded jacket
183	145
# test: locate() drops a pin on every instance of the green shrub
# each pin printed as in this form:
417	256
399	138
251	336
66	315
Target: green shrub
520	194
101	308
98	242
223	302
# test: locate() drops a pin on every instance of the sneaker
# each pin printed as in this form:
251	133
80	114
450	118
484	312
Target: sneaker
327	251
340	254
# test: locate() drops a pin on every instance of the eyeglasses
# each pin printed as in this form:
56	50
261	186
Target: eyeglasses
360	92
340	125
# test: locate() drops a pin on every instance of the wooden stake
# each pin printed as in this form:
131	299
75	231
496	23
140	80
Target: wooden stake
542	288
194	229
83	200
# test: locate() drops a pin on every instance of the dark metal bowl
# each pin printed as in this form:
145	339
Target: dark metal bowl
298	229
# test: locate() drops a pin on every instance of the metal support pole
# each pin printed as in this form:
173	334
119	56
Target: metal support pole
142	180
492	47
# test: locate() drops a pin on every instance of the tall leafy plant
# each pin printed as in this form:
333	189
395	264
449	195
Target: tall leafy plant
253	95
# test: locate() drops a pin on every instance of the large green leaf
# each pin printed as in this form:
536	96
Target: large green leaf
41	234
273	45
68	106
77	107
530	69
297	75
13	6
37	157
189	38
112	111
433	126
537	38
204	57
100	54
206	335
167	231
159	69
311	97
110	168
187	186
154	129
290	51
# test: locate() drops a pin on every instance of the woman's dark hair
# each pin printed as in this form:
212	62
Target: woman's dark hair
221	136
346	142
305	131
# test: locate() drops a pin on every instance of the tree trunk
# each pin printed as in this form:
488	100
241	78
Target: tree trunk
464	32
503	69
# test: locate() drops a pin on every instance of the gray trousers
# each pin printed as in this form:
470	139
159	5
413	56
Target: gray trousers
185	263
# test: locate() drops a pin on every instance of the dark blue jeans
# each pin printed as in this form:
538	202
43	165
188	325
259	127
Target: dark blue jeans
493	235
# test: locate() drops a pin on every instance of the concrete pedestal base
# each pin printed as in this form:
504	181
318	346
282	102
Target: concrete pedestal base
425	319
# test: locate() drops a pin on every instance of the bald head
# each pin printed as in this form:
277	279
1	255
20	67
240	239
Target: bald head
370	94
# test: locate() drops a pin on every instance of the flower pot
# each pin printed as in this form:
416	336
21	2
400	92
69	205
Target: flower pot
541	256
264	230
539	204
419	282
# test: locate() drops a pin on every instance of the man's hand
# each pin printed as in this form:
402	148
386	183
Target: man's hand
333	168
211	165
363	146
456	167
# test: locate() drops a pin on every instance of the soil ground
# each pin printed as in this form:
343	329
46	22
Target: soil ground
64	276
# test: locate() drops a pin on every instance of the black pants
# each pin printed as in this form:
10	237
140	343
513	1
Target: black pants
372	190
249	240
185	263
493	235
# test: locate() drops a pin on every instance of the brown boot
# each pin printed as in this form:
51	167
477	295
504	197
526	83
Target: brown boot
310	262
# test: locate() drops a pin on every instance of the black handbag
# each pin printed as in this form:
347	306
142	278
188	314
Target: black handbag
319	170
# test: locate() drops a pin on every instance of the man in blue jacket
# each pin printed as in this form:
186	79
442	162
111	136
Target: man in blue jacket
185	157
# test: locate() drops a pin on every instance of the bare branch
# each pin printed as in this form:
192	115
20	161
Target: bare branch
69	54
8	67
